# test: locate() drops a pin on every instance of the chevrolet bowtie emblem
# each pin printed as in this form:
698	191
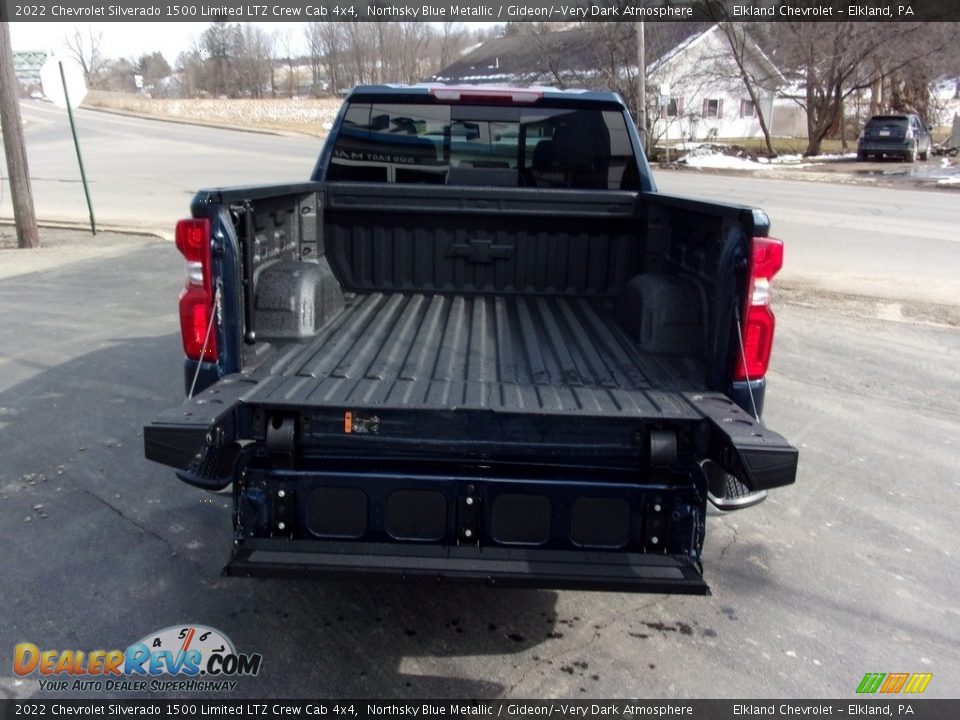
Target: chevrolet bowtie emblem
480	250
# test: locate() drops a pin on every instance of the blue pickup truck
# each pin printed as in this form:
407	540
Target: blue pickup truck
477	345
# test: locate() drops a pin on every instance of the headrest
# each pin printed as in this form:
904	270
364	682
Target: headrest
544	157
572	149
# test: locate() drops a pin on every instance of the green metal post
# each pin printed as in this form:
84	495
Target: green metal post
76	144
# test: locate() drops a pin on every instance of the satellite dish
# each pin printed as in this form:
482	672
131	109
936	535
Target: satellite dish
53	85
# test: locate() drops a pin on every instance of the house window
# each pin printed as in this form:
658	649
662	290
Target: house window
672	108
747	109
712	108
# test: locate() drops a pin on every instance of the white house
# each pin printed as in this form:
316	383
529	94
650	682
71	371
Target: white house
702	94
694	87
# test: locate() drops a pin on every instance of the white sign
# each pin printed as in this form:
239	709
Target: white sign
664	94
53	85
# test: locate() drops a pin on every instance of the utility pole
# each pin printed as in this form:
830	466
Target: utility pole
13	146
641	85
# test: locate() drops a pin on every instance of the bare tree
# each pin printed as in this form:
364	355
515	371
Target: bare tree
349	53
253	52
386	48
449	34
228	60
216	52
334	43
933	55
832	61
188	67
361	44
445	46
413	61
284	50
314	37
749	59
86	50
119	76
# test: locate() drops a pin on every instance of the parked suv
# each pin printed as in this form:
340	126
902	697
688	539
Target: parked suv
904	136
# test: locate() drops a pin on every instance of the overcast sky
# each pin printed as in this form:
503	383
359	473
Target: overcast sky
133	39
126	39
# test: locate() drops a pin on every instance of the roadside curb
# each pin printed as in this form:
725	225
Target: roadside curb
836	178
101	227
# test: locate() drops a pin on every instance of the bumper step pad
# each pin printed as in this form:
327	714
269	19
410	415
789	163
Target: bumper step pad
558	569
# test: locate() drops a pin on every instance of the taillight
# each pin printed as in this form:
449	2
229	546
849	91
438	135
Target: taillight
766	259
196	299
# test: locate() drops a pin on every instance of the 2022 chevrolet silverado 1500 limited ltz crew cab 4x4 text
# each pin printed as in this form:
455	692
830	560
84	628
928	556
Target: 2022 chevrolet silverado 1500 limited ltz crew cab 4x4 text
477	345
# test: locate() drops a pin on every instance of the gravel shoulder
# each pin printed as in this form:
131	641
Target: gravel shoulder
61	247
281	116
852	305
937	174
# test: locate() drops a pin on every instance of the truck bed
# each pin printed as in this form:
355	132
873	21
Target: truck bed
543	355
415	325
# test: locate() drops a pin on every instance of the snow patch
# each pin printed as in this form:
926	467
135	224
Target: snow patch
713	156
723	162
834	156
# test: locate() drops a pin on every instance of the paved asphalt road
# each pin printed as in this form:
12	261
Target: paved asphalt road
883	242
853	569
144	172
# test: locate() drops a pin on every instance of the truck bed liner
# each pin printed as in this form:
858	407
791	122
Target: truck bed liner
502	353
468	374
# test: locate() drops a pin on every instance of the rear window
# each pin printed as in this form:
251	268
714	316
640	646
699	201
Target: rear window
888	120
484	145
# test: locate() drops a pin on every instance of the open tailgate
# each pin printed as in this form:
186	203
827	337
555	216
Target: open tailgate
312	498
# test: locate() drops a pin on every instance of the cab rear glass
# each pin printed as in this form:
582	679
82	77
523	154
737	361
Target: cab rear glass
547	147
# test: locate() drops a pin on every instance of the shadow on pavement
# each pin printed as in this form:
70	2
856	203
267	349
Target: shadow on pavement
103	547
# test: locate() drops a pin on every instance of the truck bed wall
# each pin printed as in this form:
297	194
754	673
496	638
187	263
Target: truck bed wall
481	246
664	267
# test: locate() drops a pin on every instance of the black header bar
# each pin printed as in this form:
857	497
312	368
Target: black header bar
478	10
914	707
